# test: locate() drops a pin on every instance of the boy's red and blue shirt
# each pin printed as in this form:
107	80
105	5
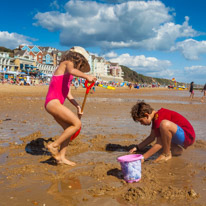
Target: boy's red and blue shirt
166	114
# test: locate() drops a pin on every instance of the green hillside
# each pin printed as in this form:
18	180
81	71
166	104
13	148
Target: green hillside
132	76
4	49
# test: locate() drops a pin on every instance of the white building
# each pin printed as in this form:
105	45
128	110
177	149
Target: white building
5	61
104	70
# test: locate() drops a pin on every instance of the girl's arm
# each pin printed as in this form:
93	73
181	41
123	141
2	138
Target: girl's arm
75	72
74	102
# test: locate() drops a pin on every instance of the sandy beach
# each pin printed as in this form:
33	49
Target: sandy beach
29	176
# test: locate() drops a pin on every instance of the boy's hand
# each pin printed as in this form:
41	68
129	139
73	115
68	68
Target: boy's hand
133	150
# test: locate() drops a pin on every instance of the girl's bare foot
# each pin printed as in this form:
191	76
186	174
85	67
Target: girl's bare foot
66	161
164	157
54	150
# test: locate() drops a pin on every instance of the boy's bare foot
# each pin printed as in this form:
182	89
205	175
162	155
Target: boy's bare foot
164	157
54	150
176	150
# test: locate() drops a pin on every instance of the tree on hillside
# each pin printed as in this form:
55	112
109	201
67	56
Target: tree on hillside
4	49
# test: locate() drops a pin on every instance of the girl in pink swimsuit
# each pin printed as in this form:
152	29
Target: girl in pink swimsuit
73	63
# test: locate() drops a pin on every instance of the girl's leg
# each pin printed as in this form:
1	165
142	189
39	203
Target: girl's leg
61	157
70	123
167	130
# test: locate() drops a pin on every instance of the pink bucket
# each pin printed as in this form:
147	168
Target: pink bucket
131	167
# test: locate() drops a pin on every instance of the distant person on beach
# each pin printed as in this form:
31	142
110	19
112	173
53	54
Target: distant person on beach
172	131
130	85
93	89
73	63
191	90
76	83
204	93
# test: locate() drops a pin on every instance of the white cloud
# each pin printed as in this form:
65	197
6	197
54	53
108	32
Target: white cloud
54	5
198	69
117	1
13	40
149	66
167	34
106	25
128	24
110	55
196	73
191	49
117	24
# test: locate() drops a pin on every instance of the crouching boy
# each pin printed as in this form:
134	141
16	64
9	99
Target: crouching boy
172	131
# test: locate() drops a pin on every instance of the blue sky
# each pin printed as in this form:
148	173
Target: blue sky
163	39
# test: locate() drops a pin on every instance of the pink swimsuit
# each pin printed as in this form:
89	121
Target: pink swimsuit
59	88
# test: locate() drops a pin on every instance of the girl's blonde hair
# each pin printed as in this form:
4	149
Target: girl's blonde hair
77	59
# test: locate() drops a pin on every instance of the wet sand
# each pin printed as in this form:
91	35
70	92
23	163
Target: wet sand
28	175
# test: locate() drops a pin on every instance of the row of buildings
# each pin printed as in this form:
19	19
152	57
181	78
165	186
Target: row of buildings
36	60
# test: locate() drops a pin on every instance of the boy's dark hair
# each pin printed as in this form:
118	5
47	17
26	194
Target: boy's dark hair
139	110
77	60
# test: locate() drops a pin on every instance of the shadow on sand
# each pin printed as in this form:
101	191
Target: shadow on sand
116	173
120	148
37	147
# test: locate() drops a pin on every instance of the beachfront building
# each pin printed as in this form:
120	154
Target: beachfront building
7	63
104	70
45	69
92	62
25	65
116	70
44	60
4	61
55	55
48	49
43	55
47	58
100	68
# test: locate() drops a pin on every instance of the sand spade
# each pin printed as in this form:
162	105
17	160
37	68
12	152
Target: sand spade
84	101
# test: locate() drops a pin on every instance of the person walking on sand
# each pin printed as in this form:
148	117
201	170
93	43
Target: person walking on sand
191	90
73	63
171	130
204	93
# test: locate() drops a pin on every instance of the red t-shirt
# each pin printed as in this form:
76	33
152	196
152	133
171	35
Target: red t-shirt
165	114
